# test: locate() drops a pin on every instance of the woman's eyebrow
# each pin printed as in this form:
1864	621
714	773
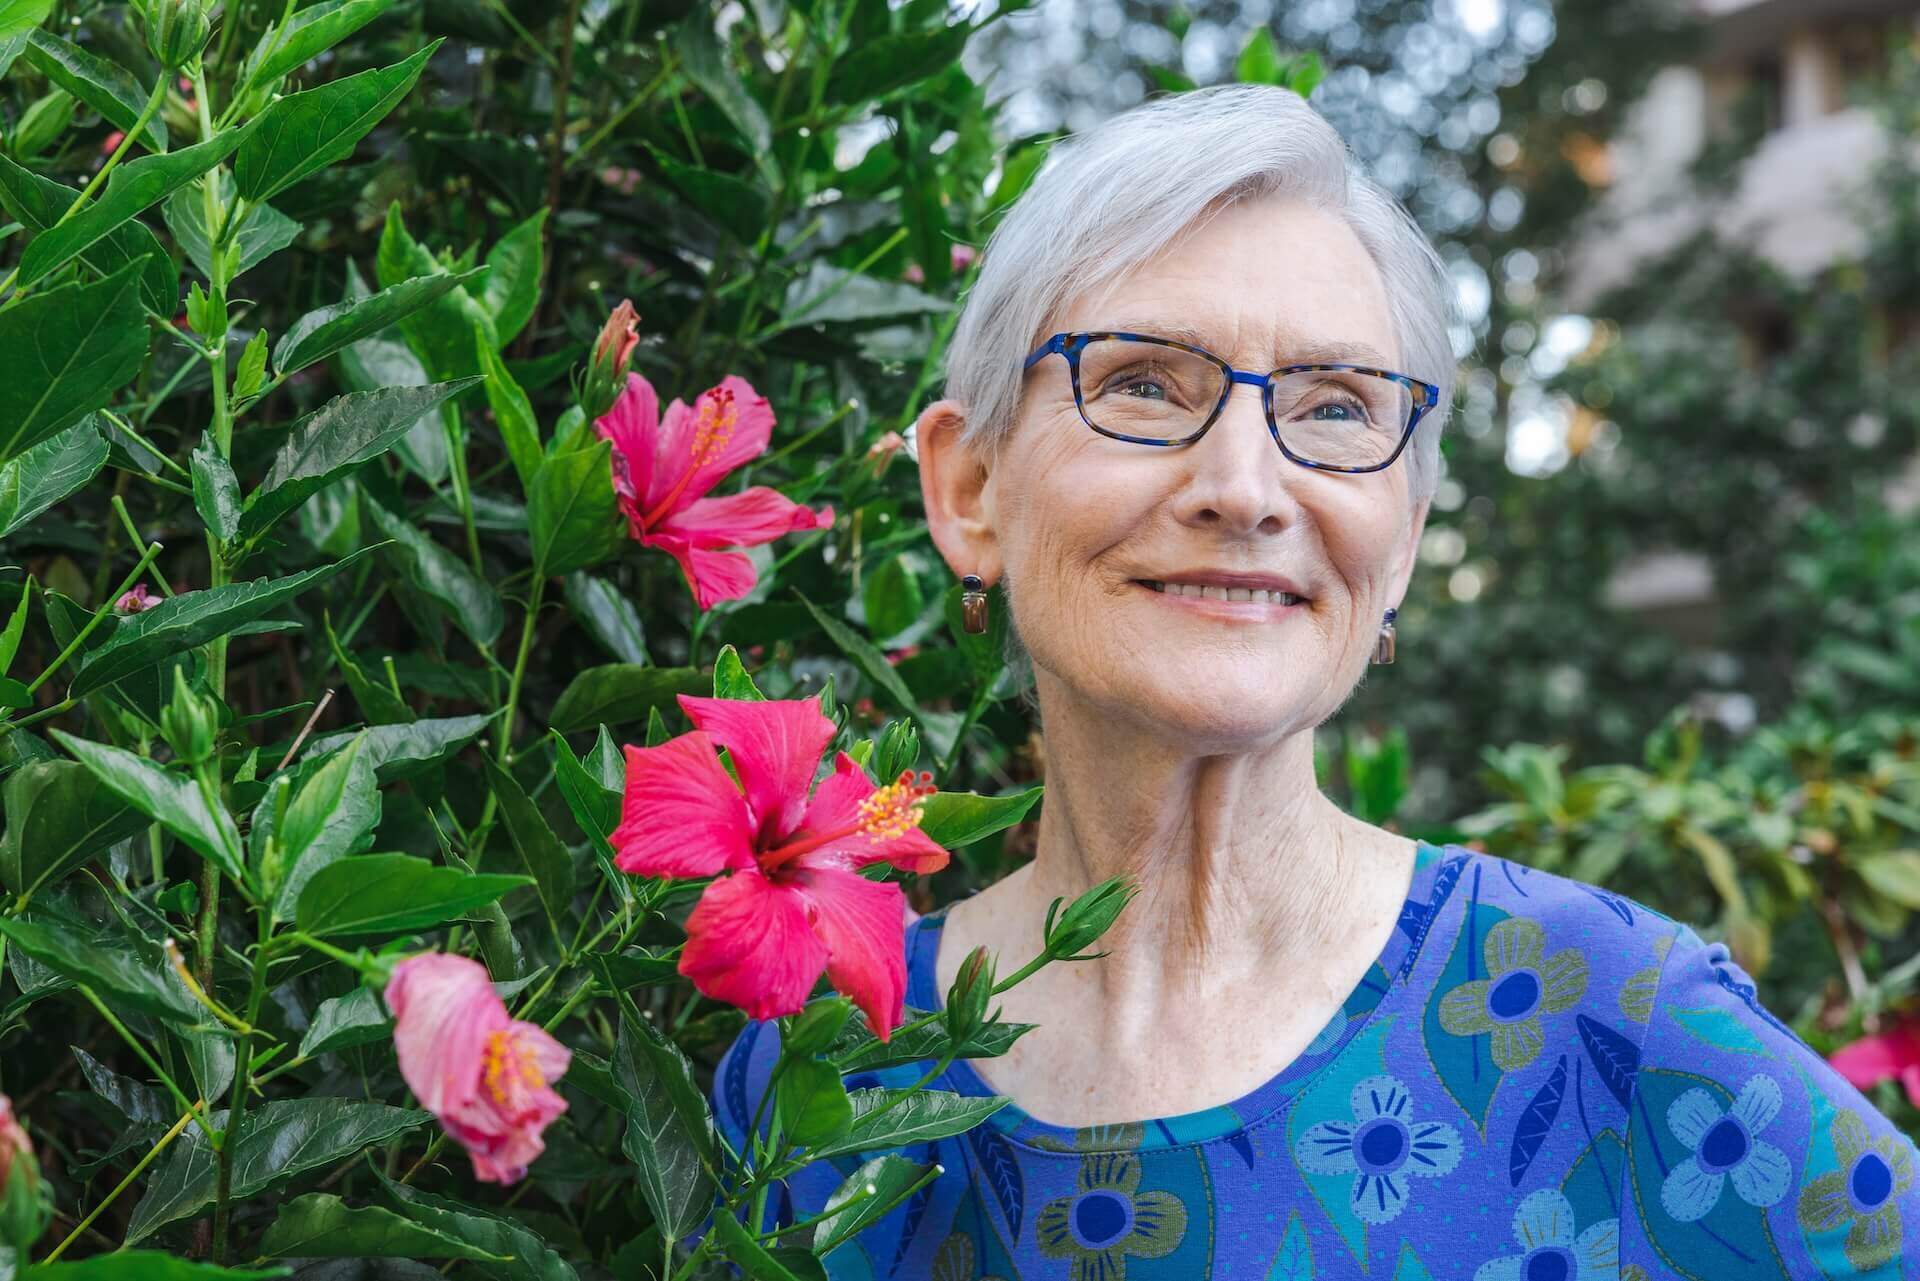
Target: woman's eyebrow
1291	353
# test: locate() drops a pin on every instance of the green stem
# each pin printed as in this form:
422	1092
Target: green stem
179	1127
99	615
152	1065
237	1102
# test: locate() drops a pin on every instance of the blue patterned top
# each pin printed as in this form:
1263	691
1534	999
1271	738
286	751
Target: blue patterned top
1536	1081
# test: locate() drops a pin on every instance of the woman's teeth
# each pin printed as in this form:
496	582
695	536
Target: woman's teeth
1226	593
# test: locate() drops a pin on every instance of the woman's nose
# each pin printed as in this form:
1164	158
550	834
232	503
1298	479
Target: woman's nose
1237	475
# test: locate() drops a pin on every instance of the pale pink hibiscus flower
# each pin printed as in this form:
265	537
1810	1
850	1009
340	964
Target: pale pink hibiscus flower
485	1076
793	903
663	469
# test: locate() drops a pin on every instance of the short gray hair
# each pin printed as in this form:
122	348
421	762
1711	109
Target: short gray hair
1108	200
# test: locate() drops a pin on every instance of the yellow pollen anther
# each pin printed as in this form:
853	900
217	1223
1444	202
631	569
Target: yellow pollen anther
896	808
714	422
504	1053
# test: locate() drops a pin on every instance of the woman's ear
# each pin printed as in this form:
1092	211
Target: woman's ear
956	485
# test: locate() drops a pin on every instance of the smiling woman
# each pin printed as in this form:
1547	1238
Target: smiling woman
1309	1047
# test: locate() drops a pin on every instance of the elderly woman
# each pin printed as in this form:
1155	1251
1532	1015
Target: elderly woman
1192	428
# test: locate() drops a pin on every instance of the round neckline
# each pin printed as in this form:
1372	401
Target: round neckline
1358	1008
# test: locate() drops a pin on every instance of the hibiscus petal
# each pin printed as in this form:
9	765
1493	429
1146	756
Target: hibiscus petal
681	814
728	425
711	576
836	804
444	1008
749	944
776	747
633	425
864	925
746	519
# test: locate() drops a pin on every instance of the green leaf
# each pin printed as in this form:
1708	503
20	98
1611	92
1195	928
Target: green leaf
865	1197
621	693
143	1265
16	627
731	203
1895	874
608	616
394	894
878	67
865	654
595	807
730	678
669	1128
103	963
469	600
571	511
441	334
513	277
706	64
95	81
401	751
174	801
216	490
345	1022
132	187
335	440
59	815
303	133
332	816
278	1139
741	1247
263	230
953	819
39	202
531	1259
319	1226
514	414
919	1117
63	354
307	35
892	598
47	473
190	620
857	1049
811	1102
541	852
378	702
834	294
18	17
319	334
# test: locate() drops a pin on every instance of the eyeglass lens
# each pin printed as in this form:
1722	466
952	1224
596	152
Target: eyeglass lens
1336	417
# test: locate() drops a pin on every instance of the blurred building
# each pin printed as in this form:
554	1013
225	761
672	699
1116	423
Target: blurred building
1776	90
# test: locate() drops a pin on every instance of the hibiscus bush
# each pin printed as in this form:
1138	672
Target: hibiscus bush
446	479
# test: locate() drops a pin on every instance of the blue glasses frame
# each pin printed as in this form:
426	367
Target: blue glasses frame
1069	345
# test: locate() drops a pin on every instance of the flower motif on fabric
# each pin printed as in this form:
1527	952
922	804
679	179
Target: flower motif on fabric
1543	1229
1862	1195
1636	994
1725	1146
1122	1136
954	1261
1522	983
1380	1147
1108	1219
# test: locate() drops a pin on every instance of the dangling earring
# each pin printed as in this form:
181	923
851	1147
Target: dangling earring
973	604
1383	645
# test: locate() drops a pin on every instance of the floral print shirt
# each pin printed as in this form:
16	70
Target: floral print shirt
1536	1081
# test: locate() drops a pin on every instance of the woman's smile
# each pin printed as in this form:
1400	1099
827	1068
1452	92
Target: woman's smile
1238	604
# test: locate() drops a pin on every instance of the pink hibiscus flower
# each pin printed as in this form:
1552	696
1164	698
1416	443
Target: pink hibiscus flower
135	601
794	903
487	1078
663	469
1892	1053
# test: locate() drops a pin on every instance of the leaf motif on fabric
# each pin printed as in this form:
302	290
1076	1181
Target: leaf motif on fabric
1536	1122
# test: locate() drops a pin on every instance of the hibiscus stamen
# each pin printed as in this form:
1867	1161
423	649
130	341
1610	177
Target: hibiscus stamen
715	417
503	1052
888	814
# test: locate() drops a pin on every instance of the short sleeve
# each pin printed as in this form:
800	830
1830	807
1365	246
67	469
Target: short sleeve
1747	1154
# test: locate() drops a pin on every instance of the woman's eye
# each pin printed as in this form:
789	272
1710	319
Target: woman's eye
1137	385
1350	411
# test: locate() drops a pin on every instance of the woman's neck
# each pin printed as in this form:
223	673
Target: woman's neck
1260	905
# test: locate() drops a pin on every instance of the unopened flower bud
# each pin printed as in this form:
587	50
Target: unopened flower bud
188	722
607	373
967	1001
176	31
1086	919
24	1210
881	452
814	1028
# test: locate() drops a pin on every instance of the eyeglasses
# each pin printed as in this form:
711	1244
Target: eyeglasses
1156	391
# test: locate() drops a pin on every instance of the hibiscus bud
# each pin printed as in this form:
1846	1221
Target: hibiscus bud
967	1001
607	374
188	722
135	601
24	1212
1086	919
176	31
897	749
881	452
813	1029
